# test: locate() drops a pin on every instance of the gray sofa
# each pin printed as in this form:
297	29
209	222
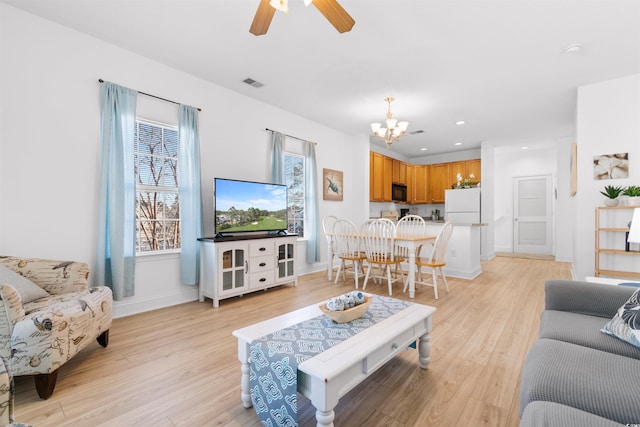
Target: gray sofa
574	374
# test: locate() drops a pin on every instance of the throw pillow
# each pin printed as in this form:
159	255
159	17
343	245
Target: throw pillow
631	284
626	323
27	290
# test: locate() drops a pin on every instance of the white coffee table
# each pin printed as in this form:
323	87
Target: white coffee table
325	378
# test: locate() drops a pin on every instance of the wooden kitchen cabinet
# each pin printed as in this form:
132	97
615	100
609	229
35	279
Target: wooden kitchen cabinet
380	174
387	172
465	168
456	168
425	183
375	176
399	175
410	184
474	167
439	177
419	184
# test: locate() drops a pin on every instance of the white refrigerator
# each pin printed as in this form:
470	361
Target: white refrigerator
462	206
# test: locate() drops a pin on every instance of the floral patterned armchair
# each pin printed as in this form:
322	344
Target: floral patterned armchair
44	326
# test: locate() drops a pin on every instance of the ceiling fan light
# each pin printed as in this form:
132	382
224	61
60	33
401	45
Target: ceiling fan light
382	132
396	131
403	126
375	127
281	5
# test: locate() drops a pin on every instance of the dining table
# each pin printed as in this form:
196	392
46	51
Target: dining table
411	243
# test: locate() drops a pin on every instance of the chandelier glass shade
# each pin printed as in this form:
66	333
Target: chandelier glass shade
394	129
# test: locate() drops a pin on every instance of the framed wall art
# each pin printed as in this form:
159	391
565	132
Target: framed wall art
611	166
332	188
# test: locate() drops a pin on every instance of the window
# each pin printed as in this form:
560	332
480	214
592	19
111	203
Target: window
294	179
156	172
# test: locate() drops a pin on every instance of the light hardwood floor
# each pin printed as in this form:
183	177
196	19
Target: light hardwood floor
178	366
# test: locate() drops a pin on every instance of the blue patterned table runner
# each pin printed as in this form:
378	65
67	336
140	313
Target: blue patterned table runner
275	358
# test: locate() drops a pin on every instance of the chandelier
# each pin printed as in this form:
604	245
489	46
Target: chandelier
394	129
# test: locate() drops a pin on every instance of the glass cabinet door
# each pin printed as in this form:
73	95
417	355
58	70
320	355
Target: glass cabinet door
233	269
286	262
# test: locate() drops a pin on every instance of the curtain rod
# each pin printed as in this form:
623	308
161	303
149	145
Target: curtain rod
154	96
290	136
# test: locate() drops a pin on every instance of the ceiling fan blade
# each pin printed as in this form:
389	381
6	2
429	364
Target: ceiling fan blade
263	18
335	14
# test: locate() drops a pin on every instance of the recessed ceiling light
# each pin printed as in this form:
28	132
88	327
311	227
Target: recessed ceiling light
460	122
524	148
576	48
458	143
423	149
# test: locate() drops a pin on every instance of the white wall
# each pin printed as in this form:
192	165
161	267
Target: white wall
512	162
565	204
487	206
607	123
49	123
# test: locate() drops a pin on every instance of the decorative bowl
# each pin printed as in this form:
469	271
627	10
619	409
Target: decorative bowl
348	315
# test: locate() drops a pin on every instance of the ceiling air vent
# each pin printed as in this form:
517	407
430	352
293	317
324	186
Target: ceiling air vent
252	82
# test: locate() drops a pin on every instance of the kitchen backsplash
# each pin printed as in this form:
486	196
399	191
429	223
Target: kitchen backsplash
421	210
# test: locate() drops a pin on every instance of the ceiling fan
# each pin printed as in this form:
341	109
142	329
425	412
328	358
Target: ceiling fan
335	14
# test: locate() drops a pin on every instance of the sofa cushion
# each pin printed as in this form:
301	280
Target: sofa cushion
584	330
56	328
626	323
550	414
27	290
595	299
594	381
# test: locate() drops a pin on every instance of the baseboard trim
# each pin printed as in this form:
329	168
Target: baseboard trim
124	308
468	275
488	257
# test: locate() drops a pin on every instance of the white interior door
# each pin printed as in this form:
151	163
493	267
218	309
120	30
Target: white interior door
533	215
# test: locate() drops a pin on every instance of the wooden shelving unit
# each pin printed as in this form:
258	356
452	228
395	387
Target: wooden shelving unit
607	226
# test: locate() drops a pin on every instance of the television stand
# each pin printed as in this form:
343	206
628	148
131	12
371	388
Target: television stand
235	265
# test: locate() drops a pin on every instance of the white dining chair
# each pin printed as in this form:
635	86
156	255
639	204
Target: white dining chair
435	261
379	242
348	248
327	228
409	226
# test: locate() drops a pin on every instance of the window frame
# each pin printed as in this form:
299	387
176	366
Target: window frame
288	153
159	189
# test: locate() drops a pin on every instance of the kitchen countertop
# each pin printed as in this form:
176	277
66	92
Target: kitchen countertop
428	219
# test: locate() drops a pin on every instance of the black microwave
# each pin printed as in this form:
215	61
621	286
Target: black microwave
398	192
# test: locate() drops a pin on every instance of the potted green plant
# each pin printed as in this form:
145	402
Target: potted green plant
611	194
633	192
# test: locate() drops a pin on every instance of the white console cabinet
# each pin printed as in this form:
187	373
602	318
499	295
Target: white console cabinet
233	266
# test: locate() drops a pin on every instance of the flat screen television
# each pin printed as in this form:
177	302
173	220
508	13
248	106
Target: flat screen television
246	206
